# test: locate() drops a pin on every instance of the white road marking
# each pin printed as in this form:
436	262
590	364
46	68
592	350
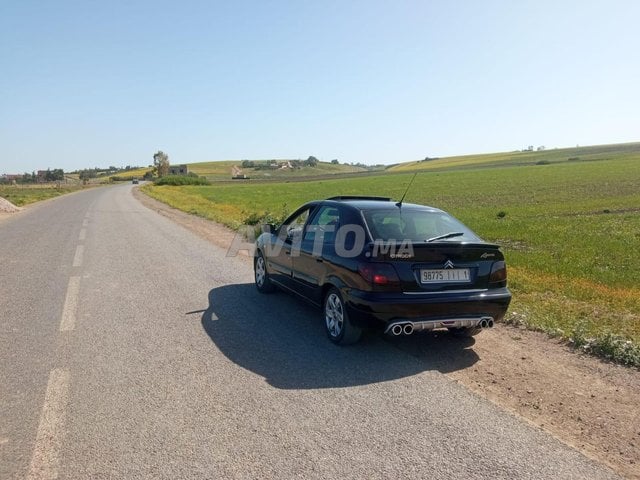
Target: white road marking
68	321
45	461
83	235
77	259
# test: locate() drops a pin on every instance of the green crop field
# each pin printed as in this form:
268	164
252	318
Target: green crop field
570	231
584	154
138	172
21	195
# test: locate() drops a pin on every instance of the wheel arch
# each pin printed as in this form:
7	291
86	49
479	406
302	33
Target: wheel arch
331	282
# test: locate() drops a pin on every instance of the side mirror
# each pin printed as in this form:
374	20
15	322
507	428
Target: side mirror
269	228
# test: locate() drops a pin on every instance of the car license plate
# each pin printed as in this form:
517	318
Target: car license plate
445	275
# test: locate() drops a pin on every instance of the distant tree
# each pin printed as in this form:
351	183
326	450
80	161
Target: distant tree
161	162
88	174
335	161
311	161
57	174
247	164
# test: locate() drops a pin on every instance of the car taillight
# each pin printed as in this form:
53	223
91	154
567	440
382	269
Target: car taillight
498	273
380	275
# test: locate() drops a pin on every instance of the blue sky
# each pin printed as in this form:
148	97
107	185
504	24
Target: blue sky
92	83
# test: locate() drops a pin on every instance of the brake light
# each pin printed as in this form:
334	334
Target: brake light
379	274
380	279
498	272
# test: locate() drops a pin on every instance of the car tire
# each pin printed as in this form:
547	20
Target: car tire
261	276
339	328
465	332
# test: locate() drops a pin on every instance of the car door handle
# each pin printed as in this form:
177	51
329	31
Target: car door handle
319	260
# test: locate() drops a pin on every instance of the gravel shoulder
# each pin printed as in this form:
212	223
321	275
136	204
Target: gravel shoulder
7	207
587	403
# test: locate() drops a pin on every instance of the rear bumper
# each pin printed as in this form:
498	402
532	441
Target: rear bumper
445	310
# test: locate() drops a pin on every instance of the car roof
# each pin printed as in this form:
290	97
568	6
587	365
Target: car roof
376	203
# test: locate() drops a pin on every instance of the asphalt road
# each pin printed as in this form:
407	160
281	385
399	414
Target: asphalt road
130	348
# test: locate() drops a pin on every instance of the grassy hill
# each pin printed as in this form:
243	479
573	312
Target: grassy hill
138	172
221	170
558	155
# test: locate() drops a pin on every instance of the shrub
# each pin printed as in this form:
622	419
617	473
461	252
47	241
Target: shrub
259	219
607	345
121	178
181	180
253	219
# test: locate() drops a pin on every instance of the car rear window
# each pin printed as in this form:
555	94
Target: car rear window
416	225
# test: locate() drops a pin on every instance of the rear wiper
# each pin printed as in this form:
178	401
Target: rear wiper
446	235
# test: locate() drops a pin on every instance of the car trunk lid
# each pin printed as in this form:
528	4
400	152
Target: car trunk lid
441	266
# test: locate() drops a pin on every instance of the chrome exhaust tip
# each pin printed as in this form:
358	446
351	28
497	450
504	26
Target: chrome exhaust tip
490	323
483	323
408	329
396	330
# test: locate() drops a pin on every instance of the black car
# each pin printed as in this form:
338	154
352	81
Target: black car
372	263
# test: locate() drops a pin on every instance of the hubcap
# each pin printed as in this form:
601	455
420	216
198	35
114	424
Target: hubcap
334	315
261	272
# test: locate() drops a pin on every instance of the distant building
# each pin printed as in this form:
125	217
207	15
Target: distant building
236	173
11	177
178	170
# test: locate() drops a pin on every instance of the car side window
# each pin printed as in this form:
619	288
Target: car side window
325	222
293	226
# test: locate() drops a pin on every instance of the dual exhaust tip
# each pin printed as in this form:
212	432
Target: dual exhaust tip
407	328
486	323
402	328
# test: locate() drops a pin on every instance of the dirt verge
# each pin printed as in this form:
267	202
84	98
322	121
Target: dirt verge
7	207
587	403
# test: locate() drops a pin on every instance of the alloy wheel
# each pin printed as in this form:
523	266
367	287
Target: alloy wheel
334	315
261	271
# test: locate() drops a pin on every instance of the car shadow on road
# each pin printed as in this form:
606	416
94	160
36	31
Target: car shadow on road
282	339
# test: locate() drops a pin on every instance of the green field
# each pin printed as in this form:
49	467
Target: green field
570	231
557	155
21	195
138	172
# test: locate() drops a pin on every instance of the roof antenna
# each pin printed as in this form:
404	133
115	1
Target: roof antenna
399	204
